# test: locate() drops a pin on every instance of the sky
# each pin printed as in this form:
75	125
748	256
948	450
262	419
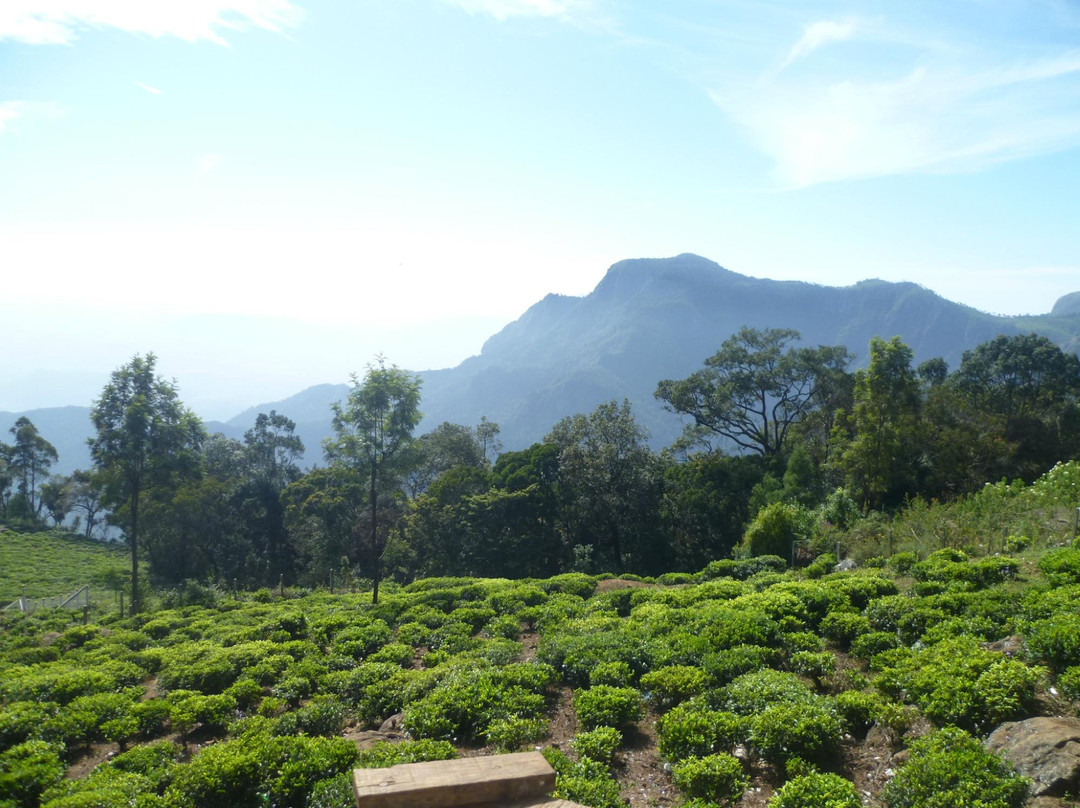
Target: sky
268	193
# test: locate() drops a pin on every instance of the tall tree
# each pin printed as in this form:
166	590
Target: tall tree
272	452
86	489
611	483
755	388
374	438
30	458
146	439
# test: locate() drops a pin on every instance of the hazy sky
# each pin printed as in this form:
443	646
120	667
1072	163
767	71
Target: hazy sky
406	176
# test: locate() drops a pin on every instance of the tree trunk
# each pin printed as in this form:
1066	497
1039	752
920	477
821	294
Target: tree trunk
134	540
375	554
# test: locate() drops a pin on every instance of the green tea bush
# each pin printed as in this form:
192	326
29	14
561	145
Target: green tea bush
361	640
814	665
674	684
587	781
902	563
513	732
1055	641
869	645
615	674
599	744
607	706
386	753
717	778
753	692
810	730
843	628
723	666
506	626
1069	682
859	710
21	720
950	769
397	653
324	715
27	770
817	790
413	634
693	730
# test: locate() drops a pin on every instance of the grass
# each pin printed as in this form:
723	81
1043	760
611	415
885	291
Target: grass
57	563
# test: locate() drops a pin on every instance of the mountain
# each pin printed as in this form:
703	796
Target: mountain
647	320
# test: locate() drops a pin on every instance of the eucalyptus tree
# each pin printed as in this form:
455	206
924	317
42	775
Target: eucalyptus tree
147	441
755	388
30	457
374	439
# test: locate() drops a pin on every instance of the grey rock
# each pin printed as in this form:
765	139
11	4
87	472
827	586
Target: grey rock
1045	749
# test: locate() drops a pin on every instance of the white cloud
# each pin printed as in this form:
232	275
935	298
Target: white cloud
893	107
504	9
207	163
50	22
9	111
148	88
818	34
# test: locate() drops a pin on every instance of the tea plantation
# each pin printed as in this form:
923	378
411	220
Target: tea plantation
747	684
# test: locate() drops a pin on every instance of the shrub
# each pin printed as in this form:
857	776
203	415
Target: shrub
674	684
513	732
717	778
615	674
1055	640
814	665
753	692
724	666
775	528
901	563
874	643
843	628
1061	567
693	730
809	730
587	782
1069	682
950	769
607	706
817	790
599	744
387	753
27	770
858	709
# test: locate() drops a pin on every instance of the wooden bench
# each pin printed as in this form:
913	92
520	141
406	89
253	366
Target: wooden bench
520	780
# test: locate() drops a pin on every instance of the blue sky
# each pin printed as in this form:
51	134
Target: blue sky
405	176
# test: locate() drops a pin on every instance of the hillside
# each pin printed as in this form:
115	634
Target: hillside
875	686
44	565
647	320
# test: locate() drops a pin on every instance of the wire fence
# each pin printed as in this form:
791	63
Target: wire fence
79	599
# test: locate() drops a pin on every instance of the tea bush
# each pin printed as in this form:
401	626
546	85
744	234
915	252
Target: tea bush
674	684
717	778
1055	641
616	674
810	730
587	782
817	790
843	628
723	666
386	753
607	706
599	744
950	769
753	692
27	770
513	732
693	730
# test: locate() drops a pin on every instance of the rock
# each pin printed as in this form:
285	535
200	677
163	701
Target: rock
1044	802
1045	749
880	735
393	723
845	565
1009	646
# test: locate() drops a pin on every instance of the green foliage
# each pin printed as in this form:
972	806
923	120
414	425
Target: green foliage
599	744
385	753
753	692
776	528
693	730
511	733
817	790
859	710
674	684
950	769
586	782
717	778
1055	641
607	706
843	628
27	770
815	665
616	673
1061	567
810	730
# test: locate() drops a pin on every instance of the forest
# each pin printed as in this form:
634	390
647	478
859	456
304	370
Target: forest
783	447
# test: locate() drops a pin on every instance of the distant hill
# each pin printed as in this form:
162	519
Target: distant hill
650	319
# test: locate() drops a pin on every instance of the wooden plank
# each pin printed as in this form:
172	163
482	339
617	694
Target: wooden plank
447	783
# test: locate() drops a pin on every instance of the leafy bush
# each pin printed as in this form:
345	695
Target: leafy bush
674	684
843	628
814	665
775	528
27	770
616	674
693	730
874	643
386	753
902	563
599	744
1055	640
753	692
724	666
587	782
950	769
607	706
513	732
858	709
717	778
810	730
817	790
1069	682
